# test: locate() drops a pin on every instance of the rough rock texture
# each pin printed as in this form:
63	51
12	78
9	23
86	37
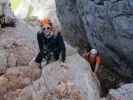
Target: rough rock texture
71	23
3	60
16	79
125	92
108	26
18	44
72	81
15	48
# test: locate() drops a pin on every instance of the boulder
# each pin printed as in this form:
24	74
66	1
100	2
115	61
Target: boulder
24	71
12	95
15	79
73	80
18	52
3	87
125	92
17	46
23	55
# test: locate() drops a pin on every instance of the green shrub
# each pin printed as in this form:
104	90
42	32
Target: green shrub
30	9
15	4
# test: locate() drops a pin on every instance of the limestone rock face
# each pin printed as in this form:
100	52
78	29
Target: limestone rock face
3	60
71	81
108	26
125	92
18	46
15	79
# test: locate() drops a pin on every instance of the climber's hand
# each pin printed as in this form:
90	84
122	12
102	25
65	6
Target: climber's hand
64	65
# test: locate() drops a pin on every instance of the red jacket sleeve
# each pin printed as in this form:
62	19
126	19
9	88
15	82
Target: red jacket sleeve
98	60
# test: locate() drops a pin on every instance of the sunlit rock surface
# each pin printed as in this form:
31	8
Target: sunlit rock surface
72	80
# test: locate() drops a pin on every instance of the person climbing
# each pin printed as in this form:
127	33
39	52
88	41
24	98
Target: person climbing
50	43
44	37
93	58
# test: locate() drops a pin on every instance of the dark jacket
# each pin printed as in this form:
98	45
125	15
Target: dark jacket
61	46
52	44
41	40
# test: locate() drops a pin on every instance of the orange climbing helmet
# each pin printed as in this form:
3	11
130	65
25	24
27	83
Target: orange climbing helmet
44	22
